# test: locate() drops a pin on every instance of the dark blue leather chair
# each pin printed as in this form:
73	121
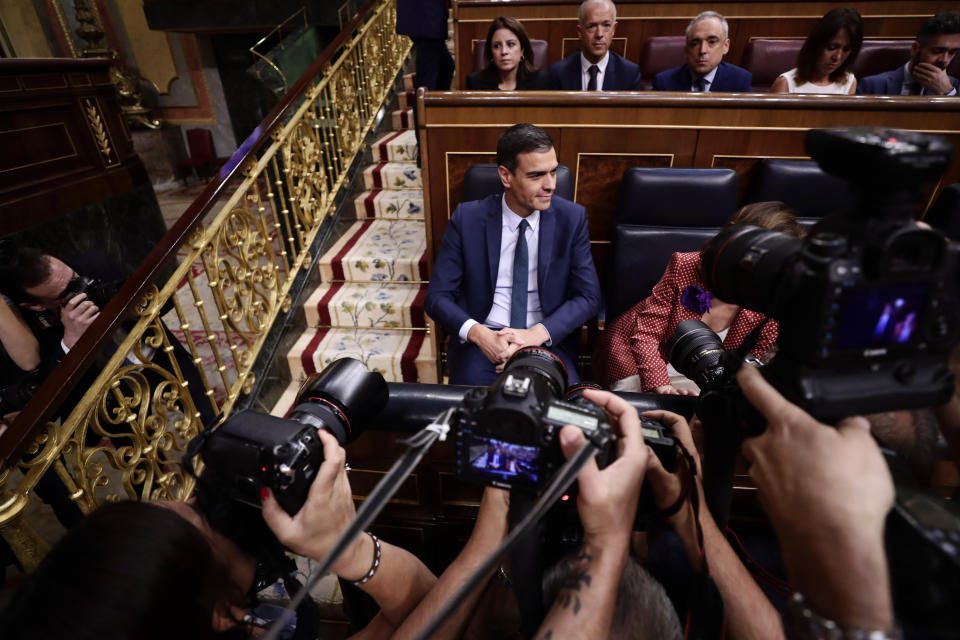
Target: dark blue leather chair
945	212
660	212
482	180
802	186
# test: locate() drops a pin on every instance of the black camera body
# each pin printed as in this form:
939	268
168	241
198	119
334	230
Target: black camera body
867	304
507	435
98	292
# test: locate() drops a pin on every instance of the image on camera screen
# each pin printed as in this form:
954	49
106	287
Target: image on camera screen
884	315
501	460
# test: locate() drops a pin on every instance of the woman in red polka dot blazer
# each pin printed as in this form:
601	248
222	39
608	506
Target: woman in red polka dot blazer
632	357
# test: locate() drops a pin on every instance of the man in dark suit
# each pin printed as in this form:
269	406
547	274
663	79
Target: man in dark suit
707	42
514	270
425	22
595	67
932	52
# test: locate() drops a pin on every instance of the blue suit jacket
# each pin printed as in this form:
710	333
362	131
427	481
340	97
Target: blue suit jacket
620	75
422	18
729	77
465	272
888	83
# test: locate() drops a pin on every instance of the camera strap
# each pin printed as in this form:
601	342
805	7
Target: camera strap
418	445
560	483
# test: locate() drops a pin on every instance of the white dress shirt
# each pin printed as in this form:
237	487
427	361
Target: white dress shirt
585	73
499	315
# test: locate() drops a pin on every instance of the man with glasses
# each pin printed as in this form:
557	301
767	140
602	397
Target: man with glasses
707	42
595	67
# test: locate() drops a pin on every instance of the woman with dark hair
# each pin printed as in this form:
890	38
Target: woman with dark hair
631	356
156	571
825	61
510	61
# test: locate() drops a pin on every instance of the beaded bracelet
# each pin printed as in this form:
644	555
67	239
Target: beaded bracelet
376	561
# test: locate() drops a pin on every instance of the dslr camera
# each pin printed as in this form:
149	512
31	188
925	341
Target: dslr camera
507	435
866	304
98	292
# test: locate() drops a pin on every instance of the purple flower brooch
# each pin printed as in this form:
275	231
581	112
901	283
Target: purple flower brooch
696	299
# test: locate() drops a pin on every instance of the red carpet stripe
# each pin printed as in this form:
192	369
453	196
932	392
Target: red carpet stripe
423	267
405	118
417	318
306	358
323	308
384	150
411	97
368	204
337	264
377	180
408	363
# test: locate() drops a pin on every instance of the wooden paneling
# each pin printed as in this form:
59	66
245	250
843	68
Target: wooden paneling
600	136
556	22
65	140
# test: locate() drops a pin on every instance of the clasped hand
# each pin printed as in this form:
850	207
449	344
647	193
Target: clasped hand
499	346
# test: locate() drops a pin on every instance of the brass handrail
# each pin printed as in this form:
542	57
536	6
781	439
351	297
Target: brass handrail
238	248
253	49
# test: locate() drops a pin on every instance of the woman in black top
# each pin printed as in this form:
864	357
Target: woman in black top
510	64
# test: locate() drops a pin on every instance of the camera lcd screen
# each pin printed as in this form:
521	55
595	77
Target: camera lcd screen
885	315
499	460
561	415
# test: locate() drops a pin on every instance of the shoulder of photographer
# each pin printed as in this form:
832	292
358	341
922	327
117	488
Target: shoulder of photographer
17	338
827	492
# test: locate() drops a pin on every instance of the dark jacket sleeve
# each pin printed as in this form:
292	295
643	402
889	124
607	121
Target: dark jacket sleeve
442	302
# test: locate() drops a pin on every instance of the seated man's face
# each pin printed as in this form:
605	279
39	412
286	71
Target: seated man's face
531	186
596	31
939	52
706	46
49	293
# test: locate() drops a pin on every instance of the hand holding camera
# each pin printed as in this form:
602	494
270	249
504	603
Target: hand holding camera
326	513
77	315
607	500
838	480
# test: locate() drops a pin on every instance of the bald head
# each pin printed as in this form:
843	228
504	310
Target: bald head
603	3
597	24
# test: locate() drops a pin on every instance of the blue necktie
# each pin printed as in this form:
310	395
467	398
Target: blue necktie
518	294
592	83
701	84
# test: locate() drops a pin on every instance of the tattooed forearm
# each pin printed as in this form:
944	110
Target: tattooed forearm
577	579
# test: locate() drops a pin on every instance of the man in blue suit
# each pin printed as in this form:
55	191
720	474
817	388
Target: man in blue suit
925	73
514	270
595	67
707	42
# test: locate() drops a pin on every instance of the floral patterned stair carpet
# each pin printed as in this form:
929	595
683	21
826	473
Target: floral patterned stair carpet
370	303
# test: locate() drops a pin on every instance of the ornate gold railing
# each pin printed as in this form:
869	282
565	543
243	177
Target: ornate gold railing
236	252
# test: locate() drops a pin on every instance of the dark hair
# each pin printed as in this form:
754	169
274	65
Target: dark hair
642	610
772	215
841	18
20	269
946	23
521	138
129	571
526	66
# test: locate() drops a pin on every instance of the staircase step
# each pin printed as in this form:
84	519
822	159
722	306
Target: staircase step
287	398
409	81
392	175
378	250
407	99
402	118
381	305
401	356
390	203
395	146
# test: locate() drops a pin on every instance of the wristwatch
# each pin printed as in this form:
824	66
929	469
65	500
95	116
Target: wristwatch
802	623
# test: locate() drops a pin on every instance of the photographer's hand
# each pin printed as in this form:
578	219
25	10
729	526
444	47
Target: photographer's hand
77	315
607	505
400	581
749	613
670	390
827	492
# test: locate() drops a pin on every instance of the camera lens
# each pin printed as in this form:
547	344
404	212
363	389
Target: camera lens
745	265
543	363
575	391
341	399
696	351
